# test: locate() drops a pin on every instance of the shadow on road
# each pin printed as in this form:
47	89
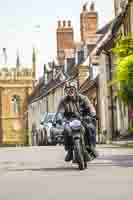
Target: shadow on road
103	161
114	160
56	169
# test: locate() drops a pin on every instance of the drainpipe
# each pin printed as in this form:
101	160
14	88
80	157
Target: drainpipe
47	103
98	111
111	95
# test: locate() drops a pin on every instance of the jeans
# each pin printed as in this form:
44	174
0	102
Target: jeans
90	134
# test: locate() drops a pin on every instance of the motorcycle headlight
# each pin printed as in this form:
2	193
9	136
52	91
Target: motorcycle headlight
75	124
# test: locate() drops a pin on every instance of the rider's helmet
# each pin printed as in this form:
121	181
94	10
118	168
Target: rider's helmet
70	84
71	88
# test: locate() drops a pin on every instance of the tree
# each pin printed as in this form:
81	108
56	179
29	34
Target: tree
125	77
124	47
124	68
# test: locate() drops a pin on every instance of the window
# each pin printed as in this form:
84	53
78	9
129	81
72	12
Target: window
15	104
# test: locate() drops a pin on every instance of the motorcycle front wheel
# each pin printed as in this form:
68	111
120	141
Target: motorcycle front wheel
79	155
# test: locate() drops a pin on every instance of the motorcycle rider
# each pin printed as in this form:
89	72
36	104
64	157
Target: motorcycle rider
78	105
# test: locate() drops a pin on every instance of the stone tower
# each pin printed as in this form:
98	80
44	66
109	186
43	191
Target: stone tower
16	83
65	39
88	22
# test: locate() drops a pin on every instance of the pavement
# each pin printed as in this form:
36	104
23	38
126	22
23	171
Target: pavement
36	173
123	142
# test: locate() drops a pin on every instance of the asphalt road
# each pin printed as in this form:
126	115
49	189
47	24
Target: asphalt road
37	173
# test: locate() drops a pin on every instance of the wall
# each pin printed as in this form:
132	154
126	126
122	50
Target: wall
48	103
103	97
13	124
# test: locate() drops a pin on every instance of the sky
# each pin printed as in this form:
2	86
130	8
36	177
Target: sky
25	24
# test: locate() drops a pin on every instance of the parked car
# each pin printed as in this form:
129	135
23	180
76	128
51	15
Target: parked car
50	131
56	132
38	134
45	127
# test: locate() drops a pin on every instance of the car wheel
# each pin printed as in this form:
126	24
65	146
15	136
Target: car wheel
33	138
37	139
52	138
41	138
45	138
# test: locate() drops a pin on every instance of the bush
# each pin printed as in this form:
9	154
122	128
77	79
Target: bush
130	130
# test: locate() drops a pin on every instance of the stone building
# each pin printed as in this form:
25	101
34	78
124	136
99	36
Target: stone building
72	63
45	98
112	111
16	85
119	5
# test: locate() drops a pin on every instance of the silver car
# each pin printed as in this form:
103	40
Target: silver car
45	128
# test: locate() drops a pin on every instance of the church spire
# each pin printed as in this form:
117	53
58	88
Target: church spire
92	6
85	6
33	63
5	55
17	63
18	60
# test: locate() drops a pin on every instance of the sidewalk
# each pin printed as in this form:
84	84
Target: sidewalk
123	142
117	144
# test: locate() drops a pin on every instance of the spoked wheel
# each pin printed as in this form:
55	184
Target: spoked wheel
85	164
81	165
85	159
79	155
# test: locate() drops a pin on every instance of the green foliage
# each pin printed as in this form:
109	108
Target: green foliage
124	73
130	130
124	68
124	46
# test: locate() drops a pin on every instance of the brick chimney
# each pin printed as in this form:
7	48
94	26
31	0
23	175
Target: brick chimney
65	39
88	22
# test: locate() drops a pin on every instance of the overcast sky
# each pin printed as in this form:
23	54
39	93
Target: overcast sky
27	23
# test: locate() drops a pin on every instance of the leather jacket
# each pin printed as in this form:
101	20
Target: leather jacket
77	106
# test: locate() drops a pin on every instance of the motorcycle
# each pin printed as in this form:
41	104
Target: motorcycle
78	144
80	153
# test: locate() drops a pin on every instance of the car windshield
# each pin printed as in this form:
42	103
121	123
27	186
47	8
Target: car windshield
49	117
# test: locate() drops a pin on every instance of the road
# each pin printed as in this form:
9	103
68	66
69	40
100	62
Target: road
36	173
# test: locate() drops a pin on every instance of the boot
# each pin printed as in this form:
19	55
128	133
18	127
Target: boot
69	156
87	156
94	152
91	153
